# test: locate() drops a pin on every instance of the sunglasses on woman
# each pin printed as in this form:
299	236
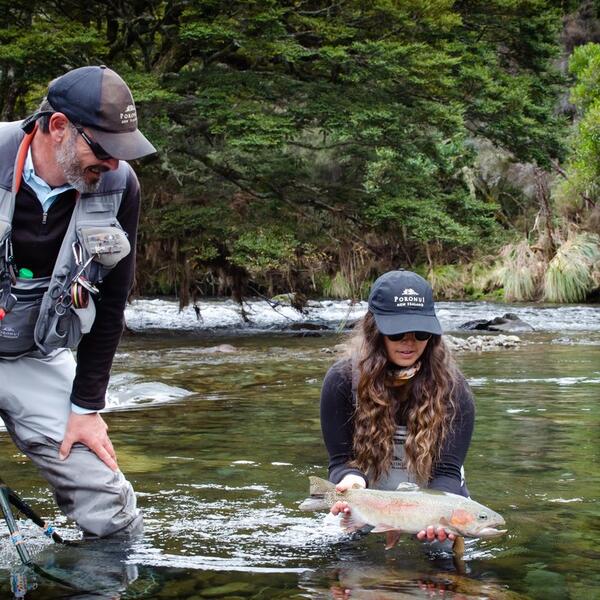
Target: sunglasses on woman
421	336
99	152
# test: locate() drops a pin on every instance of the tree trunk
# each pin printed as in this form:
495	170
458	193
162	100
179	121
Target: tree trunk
543	197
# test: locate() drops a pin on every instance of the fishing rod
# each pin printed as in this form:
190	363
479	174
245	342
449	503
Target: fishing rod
8	497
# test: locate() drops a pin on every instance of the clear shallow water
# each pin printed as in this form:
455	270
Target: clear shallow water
219	446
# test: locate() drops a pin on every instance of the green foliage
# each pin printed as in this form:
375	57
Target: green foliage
35	50
264	250
579	192
293	131
573	272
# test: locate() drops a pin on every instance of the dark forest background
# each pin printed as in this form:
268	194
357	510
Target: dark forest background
307	146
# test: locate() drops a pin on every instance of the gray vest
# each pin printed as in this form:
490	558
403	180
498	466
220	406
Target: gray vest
41	315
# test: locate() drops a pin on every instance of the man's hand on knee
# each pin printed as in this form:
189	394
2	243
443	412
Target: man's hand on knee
90	430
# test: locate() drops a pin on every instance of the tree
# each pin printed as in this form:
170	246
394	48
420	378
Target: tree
295	133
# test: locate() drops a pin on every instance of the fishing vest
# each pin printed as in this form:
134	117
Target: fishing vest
44	314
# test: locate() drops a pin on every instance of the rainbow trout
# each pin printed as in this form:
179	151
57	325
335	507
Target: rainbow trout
409	510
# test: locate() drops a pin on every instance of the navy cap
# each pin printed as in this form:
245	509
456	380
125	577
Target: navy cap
402	301
98	99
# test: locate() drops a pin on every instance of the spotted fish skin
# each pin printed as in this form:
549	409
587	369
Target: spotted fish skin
408	511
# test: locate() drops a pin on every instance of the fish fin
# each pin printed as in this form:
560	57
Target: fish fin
458	547
319	486
384	528
391	538
443	521
350	523
357	486
315	503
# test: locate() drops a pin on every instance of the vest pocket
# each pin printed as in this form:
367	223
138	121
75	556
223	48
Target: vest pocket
18	326
63	331
109	245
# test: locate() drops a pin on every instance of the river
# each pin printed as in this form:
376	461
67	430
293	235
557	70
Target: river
219	445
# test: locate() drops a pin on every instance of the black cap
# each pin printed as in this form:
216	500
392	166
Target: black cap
402	301
98	99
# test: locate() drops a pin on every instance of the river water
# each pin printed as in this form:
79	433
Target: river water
219	446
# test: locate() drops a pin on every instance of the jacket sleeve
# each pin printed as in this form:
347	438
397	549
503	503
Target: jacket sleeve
446	474
337	422
97	349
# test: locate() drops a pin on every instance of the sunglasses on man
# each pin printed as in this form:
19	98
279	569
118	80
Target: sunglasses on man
95	147
421	336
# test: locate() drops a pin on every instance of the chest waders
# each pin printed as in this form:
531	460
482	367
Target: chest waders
49	313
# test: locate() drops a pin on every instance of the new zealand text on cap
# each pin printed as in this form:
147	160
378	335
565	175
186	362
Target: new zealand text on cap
98	99
402	301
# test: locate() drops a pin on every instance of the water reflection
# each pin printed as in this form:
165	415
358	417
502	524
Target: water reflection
94	569
401	582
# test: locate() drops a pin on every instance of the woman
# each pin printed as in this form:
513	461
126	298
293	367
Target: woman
398	409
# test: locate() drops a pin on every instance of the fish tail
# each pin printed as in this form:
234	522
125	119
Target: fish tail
314	504
321	495
320	487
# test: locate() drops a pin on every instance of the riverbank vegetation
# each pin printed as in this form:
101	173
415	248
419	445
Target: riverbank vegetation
307	146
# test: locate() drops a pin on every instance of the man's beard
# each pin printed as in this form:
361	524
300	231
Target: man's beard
66	157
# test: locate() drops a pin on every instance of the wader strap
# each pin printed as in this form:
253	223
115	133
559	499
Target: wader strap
20	164
7	271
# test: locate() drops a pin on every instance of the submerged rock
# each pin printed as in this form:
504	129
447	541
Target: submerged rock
307	326
474	343
224	348
235	587
507	322
296	300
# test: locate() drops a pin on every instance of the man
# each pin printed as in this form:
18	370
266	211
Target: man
69	206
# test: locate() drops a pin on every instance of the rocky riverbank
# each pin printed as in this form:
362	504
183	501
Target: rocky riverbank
473	343
482	343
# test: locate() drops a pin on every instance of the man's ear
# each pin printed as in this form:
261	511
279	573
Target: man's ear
58	126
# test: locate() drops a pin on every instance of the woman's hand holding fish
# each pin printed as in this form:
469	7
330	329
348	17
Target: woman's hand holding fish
346	483
431	533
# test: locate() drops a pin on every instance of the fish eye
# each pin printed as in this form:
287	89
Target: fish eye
482	516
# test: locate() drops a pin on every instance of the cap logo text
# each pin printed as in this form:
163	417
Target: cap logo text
129	115
409	298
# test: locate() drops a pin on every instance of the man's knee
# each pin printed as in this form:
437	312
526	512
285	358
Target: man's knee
101	501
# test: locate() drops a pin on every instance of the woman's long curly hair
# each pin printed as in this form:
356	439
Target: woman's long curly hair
429	407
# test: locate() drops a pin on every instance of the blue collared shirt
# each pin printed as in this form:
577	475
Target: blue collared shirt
45	194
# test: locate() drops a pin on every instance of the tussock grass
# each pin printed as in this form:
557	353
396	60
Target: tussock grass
520	272
448	281
337	286
474	280
573	272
